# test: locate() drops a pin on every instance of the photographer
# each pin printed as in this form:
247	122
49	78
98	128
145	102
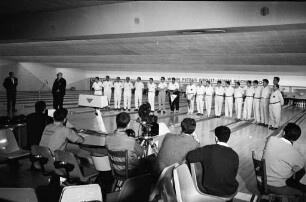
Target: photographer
120	140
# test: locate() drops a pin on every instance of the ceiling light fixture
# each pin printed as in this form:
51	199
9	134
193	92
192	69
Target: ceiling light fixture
202	31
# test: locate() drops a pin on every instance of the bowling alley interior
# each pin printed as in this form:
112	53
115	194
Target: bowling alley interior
152	101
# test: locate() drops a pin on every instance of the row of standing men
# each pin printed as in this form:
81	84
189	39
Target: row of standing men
263	101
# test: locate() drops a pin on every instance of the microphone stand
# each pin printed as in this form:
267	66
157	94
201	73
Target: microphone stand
44	84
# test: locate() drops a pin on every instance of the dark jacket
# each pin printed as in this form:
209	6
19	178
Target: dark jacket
59	87
9	86
36	123
220	167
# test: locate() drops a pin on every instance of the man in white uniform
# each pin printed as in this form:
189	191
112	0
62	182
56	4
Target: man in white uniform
162	87
275	107
127	94
200	98
174	95
107	89
248	102
118	86
238	93
256	102
97	86
264	103
151	93
138	93
190	91
209	91
229	93
219	97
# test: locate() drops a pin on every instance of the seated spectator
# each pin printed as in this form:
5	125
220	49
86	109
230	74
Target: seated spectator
57	135
285	166
120	140
175	146
36	123
220	165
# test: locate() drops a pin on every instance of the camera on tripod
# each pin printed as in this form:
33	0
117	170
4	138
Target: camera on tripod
147	122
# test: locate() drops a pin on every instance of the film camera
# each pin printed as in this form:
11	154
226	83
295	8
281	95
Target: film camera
149	127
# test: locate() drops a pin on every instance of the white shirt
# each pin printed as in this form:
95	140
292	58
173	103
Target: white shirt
97	85
139	86
191	89
257	92
249	91
223	144
229	91
209	90
238	92
118	87
151	87
107	85
162	86
276	97
266	92
219	91
174	86
128	86
200	90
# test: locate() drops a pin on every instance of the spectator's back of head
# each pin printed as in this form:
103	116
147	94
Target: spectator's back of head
40	106
59	115
122	120
222	133
188	125
292	132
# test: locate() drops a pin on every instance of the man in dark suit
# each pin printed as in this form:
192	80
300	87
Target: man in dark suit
59	91
220	165
10	84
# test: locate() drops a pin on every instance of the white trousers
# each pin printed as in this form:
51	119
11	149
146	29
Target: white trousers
218	105
138	99
162	100
229	106
200	104
151	99
238	107
247	108
275	114
191	104
117	99
208	101
256	109
264	111
127	100
97	92
108	94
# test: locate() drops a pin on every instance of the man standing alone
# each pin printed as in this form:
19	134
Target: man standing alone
59	91
10	84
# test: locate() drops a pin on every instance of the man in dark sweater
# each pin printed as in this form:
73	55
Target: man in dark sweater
220	165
